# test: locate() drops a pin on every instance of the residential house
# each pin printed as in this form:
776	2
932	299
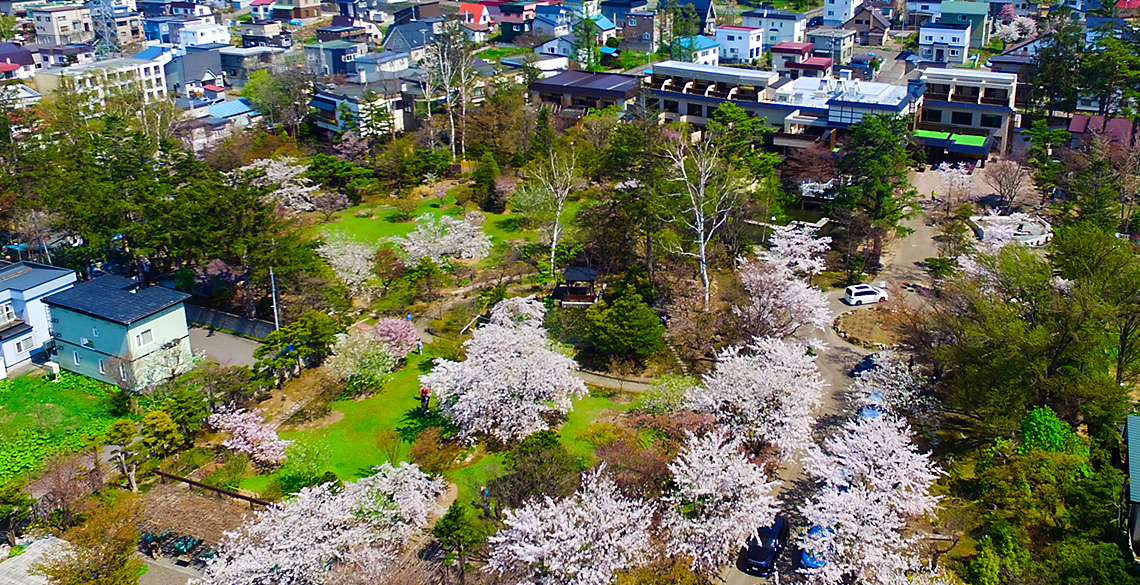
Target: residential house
778	26
377	108
128	29
1128	8
62	55
371	29
552	21
384	65
1120	131
16	62
838	12
976	14
239	62
516	18
585	90
62	25
870	26
740	44
1131	455
1022	67
265	33
699	49
261	10
604	29
151	8
803	110
789	52
1026	48
216	122
547	65
475	13
563	46
417	11
332	58
412	38
920	11
350	33
95	79
618	10
837	43
290	9
164	29
639	32
188	75
971	102
114	331
24	323
477	33
19	96
943	42
203	34
584	8
190	9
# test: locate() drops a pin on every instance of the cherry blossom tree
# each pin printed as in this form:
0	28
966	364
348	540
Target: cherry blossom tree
445	237
250	435
581	540
720	500
1021	27
518	311
350	260
399	335
297	541
876	453
858	536
290	188
778	303
511	379
361	359
891	384
765	392
796	248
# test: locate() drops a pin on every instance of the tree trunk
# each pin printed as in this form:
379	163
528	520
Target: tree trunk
554	238
247	276
705	272
451	121
876	249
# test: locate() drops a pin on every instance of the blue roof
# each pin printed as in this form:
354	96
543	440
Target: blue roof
22	276
149	53
604	23
116	299
697	43
230	109
1132	437
607	50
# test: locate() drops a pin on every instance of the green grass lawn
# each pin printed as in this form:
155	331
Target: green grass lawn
493	55
39	417
351	443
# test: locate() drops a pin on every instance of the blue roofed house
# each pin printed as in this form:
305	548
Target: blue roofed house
24	325
552	21
604	28
215	122
113	330
699	49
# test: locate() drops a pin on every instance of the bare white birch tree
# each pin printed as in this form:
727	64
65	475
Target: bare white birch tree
557	176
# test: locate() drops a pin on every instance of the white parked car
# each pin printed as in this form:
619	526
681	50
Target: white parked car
860	294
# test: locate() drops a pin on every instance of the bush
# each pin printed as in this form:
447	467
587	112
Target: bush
191	460
666	394
433	453
540	466
626	327
599	434
229	474
307	465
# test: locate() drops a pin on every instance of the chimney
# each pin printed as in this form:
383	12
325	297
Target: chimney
363	75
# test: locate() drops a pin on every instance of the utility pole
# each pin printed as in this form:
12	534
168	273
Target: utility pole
273	291
36	225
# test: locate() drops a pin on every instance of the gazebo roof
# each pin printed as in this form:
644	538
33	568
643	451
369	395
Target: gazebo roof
580	274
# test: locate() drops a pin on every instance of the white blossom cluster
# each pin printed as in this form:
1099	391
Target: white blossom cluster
779	304
766	392
1019	28
297	541
893	385
518	311
511	378
250	435
358	357
720	500
797	248
291	189
350	260
445	237
580	540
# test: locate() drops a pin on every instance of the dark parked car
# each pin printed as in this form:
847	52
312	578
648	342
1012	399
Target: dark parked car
765	547
815	21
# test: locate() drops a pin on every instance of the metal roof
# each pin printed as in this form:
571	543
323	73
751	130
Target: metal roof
110	298
25	275
230	109
1132	437
602	85
697	43
975	8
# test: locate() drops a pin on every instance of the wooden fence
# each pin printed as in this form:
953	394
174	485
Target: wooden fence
221	491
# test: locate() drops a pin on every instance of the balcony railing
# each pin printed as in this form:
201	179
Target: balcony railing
995	101
964	98
941	97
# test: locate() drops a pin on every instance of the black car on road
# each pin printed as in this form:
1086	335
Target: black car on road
815	21
765	547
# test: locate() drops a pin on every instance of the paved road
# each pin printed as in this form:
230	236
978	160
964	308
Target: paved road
223	348
902	260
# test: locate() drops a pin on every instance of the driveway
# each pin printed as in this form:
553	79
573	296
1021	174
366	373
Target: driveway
223	348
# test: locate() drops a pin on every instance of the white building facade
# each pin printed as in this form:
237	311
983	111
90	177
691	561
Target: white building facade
740	44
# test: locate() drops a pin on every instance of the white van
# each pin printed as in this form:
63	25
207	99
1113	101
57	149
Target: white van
859	294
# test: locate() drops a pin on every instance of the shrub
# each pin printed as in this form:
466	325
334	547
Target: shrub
626	327
228	475
666	394
599	434
433	453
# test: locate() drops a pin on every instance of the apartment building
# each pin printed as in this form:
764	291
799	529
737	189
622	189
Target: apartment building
838	12
203	34
62	25
944	42
740	44
100	77
778	26
972	103
836	43
976	14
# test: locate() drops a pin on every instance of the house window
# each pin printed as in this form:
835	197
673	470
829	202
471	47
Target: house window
25	344
953	39
102	367
122	372
645	36
94	332
953	52
925	7
831	13
929	38
932	116
990	121
144	338
962	118
75	357
7	313
963	17
730	37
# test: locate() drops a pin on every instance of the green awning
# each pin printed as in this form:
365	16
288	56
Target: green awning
968	140
932	134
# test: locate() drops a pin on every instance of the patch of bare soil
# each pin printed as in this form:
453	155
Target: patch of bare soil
181	509
866	327
333	417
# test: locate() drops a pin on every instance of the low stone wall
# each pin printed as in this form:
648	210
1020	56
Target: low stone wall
212	319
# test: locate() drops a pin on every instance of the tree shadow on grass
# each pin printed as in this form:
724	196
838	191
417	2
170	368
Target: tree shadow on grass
416	421
511	225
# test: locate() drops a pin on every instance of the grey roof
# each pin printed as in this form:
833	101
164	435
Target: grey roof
26	275
414	34
110	298
14	53
775	14
1132	437
383	57
17	570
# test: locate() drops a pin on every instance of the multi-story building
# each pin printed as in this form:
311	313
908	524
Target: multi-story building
239	63
870	26
24	321
265	33
972	103
740	44
584	90
290	9
836	43
920	11
190	74
96	79
516	18
944	42
796	60
412	38
376	108
17	62
179	8
114	331
203	34
837	12
639	32
778	26
333	58
552	21
976	14
164	29
617	10
62	55
128	29
62	25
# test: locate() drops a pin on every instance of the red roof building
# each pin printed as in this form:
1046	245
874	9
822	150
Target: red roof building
1117	130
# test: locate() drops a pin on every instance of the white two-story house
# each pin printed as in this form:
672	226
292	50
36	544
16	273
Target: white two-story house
778	26
740	44
24	325
944	42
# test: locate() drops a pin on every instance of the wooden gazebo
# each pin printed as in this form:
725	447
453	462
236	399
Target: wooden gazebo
577	288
